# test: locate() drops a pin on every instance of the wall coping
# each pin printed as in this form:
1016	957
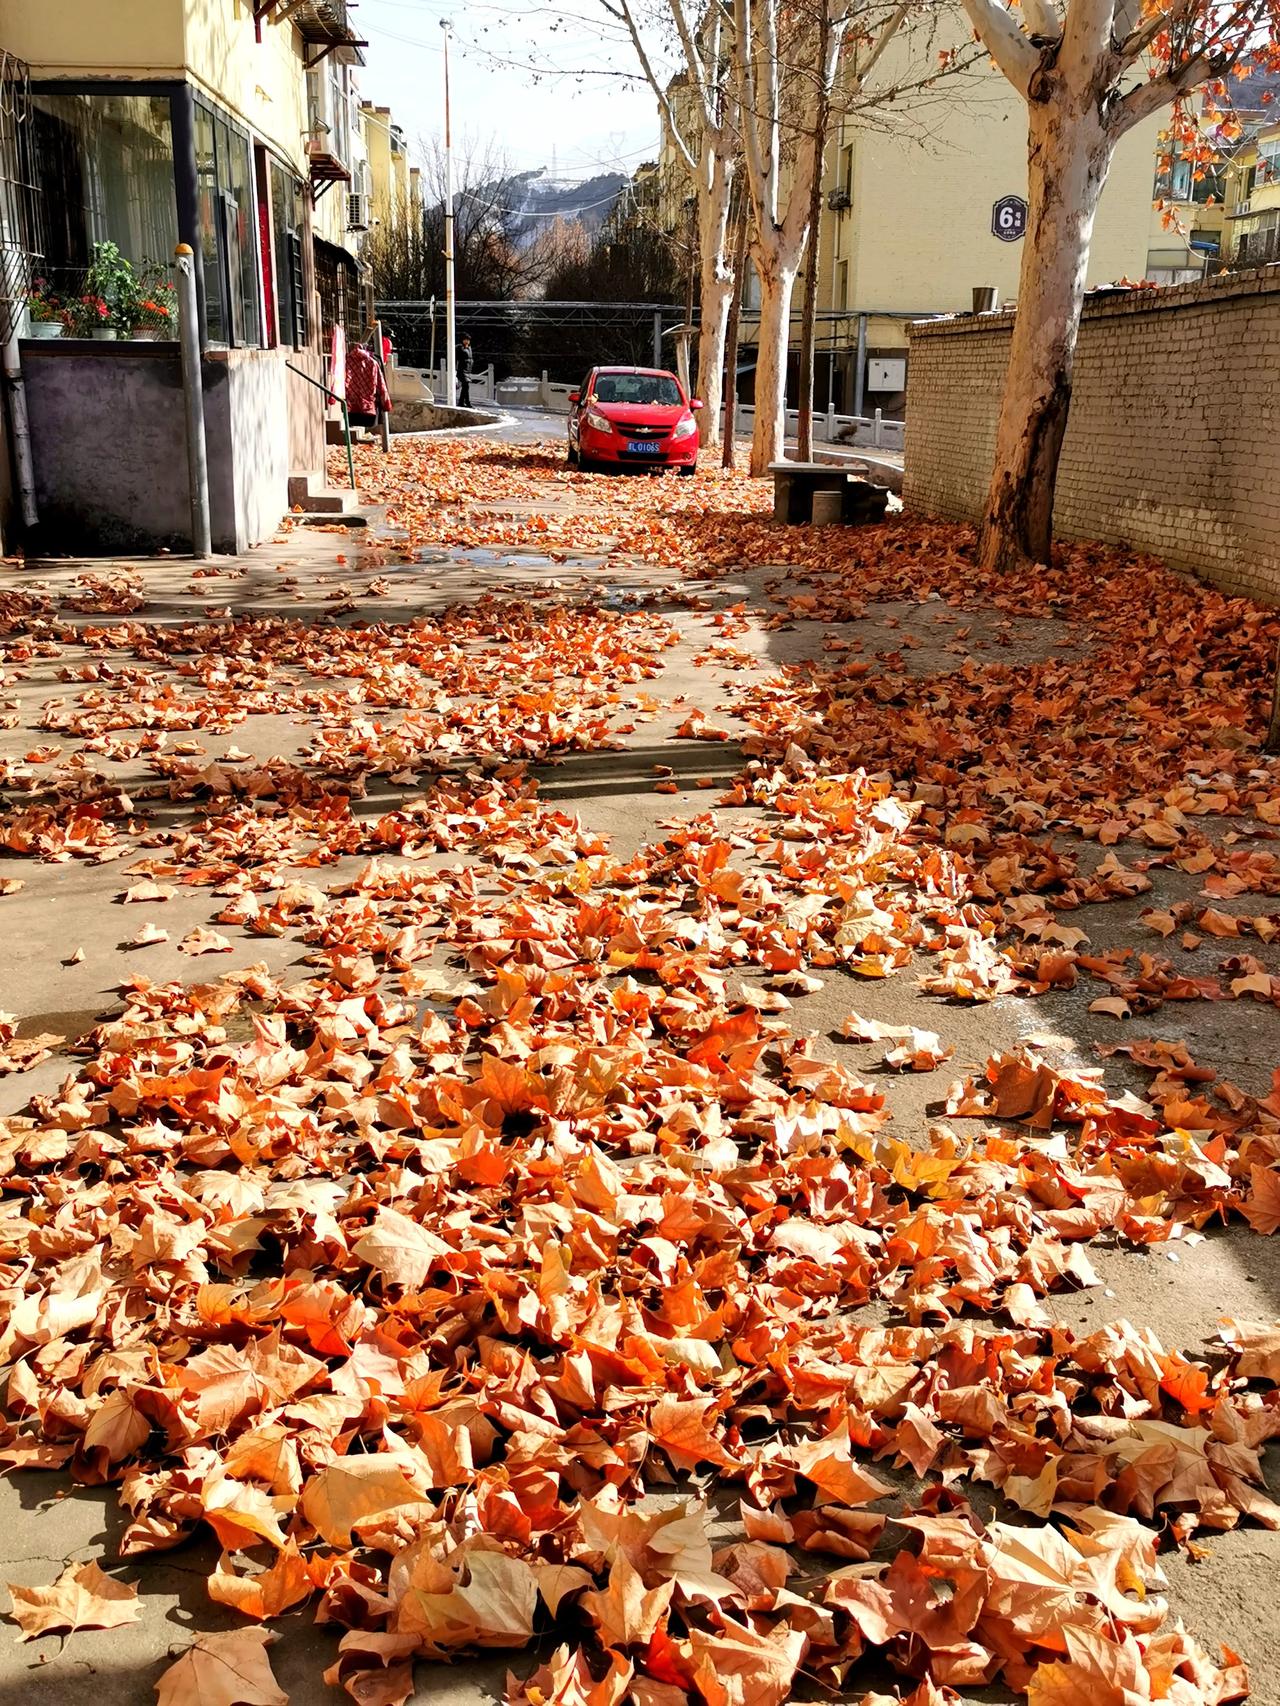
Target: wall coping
1117	302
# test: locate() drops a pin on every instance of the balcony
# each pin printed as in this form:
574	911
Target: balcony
324	25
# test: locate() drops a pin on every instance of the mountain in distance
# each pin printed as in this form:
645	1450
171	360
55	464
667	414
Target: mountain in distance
585	200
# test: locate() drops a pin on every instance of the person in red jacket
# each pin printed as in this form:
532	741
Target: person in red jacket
367	394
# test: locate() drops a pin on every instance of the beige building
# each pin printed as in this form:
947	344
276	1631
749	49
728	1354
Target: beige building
910	215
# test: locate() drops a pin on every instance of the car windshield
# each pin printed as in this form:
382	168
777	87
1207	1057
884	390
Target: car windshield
638	388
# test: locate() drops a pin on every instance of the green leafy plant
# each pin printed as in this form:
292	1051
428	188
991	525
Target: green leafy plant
111	279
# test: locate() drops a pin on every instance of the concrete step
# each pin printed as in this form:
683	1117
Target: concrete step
307	495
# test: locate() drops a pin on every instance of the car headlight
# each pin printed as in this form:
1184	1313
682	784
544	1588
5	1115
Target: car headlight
598	422
685	428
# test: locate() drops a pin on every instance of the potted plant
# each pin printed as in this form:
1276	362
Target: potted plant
157	308
88	316
44	311
112	280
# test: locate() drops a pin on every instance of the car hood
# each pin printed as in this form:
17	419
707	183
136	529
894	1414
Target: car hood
641	414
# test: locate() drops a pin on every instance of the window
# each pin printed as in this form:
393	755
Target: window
751	294
843	285
1268	168
286	230
638	388
846	172
1181	183
329	110
228	237
106	169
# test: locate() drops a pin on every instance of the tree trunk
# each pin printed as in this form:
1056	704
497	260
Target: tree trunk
808	326
716	289
1069	151
809	307
731	344
777	281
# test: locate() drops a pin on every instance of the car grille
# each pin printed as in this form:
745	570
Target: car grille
640	431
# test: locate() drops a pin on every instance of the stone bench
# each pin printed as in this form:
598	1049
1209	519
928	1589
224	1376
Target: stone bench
795	483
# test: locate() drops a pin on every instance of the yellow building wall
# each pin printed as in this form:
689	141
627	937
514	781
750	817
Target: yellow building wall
377	141
211	41
79	38
919	238
262	83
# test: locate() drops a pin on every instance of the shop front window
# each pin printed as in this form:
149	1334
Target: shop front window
228	230
106	169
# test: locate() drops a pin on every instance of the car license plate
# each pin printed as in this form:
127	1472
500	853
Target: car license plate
643	446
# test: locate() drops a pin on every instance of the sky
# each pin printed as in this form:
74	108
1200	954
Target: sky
582	124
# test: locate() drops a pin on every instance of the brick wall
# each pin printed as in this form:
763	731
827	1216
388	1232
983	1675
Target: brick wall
1172	442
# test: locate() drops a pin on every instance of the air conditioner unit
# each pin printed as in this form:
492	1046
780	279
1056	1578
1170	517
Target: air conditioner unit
838	200
357	211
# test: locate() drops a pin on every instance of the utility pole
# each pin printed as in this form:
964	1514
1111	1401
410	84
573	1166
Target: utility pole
450	327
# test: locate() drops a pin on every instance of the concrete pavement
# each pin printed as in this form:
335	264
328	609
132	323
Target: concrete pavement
66	952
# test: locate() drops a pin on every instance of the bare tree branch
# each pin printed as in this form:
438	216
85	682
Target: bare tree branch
623	11
1004	41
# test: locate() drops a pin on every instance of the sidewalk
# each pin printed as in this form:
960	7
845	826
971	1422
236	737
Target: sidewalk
261	747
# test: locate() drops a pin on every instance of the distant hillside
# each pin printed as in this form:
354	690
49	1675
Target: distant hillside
586	202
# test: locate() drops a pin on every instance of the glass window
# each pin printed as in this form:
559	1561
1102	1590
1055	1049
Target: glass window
286	230
228	234
638	388
106	168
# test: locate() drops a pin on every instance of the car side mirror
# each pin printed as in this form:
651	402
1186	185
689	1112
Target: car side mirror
575	396
695	402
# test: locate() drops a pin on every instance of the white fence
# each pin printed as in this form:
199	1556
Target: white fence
867	432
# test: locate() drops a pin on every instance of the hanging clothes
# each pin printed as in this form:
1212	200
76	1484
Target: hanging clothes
367	394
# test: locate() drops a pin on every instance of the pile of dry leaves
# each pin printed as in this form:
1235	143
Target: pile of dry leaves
520	1274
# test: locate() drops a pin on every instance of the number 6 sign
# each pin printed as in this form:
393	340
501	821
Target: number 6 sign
1009	218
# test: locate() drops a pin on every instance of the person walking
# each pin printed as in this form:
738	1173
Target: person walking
466	367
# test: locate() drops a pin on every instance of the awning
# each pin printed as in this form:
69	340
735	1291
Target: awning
336	255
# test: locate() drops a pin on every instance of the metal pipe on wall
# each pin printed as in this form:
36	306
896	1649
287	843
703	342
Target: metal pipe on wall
860	367
193	400
24	467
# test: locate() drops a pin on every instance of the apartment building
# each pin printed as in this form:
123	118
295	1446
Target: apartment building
234	126
1252	202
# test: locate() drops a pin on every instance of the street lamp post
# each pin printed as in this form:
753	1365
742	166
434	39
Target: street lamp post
450	338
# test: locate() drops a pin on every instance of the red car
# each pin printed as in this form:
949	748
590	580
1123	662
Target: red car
633	417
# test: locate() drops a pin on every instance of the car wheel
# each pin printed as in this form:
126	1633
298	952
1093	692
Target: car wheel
571	457
689	471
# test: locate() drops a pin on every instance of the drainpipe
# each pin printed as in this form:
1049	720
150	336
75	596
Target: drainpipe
193	399
21	431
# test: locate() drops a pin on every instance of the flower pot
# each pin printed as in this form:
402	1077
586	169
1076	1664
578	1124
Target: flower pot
144	334
104	334
45	329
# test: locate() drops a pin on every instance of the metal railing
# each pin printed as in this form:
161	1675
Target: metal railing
333	397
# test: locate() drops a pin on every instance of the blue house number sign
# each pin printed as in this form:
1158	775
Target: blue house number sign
1009	218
